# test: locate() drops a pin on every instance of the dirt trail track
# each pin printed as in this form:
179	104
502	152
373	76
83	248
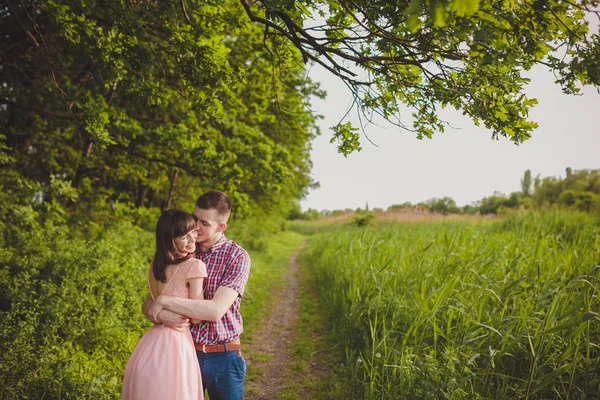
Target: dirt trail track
274	339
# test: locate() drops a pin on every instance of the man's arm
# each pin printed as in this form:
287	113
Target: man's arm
196	292
163	316
207	310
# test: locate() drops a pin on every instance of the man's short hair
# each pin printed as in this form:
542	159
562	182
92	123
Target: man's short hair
215	200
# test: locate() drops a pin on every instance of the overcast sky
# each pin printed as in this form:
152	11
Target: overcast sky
462	163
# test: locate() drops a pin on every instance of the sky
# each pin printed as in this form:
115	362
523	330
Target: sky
463	163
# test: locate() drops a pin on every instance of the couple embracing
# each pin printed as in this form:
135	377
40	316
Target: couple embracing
197	275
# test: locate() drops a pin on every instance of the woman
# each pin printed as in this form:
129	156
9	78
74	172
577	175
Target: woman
164	364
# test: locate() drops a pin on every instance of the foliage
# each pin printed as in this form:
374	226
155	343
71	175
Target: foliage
427	55
363	219
582	201
526	183
505	309
147	104
297	213
580	189
70	297
406	204
70	312
444	205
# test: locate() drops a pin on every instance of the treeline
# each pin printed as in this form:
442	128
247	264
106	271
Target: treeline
579	190
110	113
134	106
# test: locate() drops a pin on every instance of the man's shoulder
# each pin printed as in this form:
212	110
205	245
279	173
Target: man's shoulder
234	250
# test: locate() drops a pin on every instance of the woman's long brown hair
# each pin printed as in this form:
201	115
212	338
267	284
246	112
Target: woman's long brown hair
171	224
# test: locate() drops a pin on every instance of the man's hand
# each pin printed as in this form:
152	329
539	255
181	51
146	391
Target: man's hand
173	320
154	311
146	308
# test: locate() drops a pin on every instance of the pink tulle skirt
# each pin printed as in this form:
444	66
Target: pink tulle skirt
163	366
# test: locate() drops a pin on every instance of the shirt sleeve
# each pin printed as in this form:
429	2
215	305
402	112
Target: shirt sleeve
197	269
236	274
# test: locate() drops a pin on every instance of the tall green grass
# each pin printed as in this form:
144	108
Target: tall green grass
453	310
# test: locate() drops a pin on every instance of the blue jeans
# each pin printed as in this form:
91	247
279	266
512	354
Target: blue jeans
223	374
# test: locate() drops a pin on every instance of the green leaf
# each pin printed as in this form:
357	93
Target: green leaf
347	138
464	8
572	322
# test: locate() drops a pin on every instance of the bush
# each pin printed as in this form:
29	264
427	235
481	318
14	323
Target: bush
363	220
582	201
70	305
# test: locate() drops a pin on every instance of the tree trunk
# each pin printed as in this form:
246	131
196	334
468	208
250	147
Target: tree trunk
82	167
141	198
151	198
171	189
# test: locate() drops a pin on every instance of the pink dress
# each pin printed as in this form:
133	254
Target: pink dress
164	364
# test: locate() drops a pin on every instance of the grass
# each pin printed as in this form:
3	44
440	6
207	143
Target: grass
268	268
502	309
315	355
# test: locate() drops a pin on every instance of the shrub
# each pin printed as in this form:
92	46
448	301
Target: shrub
70	305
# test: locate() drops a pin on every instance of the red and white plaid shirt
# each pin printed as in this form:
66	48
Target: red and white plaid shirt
228	265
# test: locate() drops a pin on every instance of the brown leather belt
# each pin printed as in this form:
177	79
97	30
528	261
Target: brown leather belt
218	348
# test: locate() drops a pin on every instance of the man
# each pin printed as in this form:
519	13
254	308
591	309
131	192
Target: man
217	337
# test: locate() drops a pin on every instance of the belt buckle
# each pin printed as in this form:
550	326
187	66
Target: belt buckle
204	348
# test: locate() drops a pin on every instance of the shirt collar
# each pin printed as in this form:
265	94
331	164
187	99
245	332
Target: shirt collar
215	246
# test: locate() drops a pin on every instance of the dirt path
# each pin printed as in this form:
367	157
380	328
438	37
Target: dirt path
272	341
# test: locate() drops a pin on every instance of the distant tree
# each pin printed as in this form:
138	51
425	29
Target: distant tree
514	199
537	182
583	201
568	172
526	183
406	204
295	212
548	191
578	189
444	205
469	209
491	204
311	214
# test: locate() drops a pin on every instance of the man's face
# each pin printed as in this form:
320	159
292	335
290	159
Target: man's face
208	224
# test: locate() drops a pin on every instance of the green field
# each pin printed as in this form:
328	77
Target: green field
422	310
463	310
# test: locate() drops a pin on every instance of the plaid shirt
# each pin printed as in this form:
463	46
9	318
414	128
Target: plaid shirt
227	265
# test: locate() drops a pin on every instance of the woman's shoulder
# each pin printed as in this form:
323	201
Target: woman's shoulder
196	267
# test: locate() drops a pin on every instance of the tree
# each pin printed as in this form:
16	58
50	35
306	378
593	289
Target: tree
491	204
431	54
526	183
444	205
149	103
580	188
